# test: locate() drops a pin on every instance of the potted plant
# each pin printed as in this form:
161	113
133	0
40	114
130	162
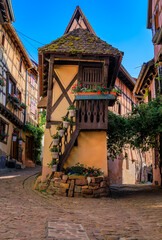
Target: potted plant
2	82
71	110
66	122
55	139
60	130
54	152
14	137
22	105
53	165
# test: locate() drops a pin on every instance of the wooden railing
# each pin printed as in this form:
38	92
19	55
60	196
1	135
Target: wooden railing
92	114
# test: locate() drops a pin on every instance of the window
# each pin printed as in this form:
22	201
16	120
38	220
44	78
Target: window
3	39
32	81
11	87
33	107
20	67
91	75
155	21
3	130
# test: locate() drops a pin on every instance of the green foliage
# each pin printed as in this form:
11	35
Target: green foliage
53	162
54	149
42	119
139	129
55	136
71	107
59	127
37	134
66	119
80	169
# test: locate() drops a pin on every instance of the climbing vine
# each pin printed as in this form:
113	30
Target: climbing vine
37	134
139	129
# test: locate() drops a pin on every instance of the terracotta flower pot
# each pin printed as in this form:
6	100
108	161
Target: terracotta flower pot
71	113
61	132
54	168
66	124
113	93
87	93
55	142
55	154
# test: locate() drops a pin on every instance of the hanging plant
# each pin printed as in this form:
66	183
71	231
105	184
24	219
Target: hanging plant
4	135
22	105
2	82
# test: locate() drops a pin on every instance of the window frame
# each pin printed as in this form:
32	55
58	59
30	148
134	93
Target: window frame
10	78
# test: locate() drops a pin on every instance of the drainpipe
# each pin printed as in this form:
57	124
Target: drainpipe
26	84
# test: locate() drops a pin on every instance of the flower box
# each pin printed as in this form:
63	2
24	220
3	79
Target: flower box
111	96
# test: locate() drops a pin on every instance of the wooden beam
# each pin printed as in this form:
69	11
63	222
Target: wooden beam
62	95
50	88
62	88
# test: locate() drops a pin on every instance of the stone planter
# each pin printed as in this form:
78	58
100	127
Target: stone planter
55	154
54	168
79	186
66	124
61	132
55	142
14	138
71	113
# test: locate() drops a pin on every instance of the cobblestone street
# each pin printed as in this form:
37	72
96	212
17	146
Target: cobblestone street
26	214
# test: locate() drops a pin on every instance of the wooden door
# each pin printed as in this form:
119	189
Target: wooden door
15	150
29	148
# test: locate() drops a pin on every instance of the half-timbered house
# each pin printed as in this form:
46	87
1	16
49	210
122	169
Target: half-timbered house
78	56
18	91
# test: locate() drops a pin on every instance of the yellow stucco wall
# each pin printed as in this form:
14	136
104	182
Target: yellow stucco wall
91	151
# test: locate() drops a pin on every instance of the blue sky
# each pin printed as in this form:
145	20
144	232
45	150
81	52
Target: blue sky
121	23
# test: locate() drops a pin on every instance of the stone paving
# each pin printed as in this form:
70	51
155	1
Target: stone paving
25	214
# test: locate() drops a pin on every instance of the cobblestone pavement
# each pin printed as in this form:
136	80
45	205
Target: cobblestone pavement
25	214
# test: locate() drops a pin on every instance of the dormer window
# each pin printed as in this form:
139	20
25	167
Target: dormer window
91	75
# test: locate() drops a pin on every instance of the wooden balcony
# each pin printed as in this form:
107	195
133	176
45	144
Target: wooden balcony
16	118
92	111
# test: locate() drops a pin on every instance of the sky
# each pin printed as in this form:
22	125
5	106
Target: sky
121	23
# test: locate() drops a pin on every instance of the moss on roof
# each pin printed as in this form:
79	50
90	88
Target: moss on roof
80	41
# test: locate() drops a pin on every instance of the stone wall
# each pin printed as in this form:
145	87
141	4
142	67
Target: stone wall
75	186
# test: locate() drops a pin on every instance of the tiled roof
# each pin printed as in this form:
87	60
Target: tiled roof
80	41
